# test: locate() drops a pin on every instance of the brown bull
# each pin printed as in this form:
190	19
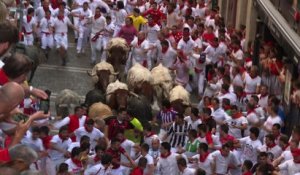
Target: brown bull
117	99
117	54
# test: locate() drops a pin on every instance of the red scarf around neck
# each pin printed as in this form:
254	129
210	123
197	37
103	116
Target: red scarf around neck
46	9
60	136
97	158
28	18
150	134
237	115
204	156
97	16
164	50
61	17
270	146
250	111
166	155
140	41
77	162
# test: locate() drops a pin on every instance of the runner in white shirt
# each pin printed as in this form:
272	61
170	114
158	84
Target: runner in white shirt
89	130
167	163
152	31
46	27
84	14
252	117
223	160
182	166
107	35
98	3
186	44
250	146
102	168
167	55
236	123
40	12
272	119
61	7
77	4
98	27
150	162
252	81
273	150
59	147
194	119
75	166
292	166
141	48
29	27
120	14
203	159
61	24
200	9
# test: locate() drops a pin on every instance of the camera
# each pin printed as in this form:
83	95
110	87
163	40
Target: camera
20	117
45	103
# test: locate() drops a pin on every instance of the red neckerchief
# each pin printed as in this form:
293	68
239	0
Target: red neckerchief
285	148
203	157
46	9
59	17
247	173
181	6
212	17
28	18
60	136
87	129
164	50
250	111
202	5
253	77
150	134
167	110
165	156
235	49
214	45
226	107
237	115
77	162
3	77
226	139
194	38
46	141
97	158
270	146
140	41
97	16
170	11
151	24
262	96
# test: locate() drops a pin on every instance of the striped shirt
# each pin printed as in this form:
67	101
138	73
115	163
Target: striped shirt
166	116
179	134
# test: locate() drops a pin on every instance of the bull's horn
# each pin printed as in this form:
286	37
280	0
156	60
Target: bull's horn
134	94
115	73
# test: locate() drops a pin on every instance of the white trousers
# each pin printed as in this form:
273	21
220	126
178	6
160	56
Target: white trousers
28	39
61	40
76	23
47	40
82	38
96	47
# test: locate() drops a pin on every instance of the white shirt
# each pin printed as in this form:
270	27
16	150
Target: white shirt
252	119
238	54
73	168
98	24
200	11
86	14
193	124
230	96
40	13
46	24
56	12
186	47
237	80
188	171
291	167
168	166
28	26
206	165
219	115
223	162
152	33
287	155
98	169
250	149
66	121
150	162
167	59
98	3
37	144
128	146
61	26
263	101
54	154
73	145
213	54
138	52
120	17
94	135
251	84
276	150
236	132
271	121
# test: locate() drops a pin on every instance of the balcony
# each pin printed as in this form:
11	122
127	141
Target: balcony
288	8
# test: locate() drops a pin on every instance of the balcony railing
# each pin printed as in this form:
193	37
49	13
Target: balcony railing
288	9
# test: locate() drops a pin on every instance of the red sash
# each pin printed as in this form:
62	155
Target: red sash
73	125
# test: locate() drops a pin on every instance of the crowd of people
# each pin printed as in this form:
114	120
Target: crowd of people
236	128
